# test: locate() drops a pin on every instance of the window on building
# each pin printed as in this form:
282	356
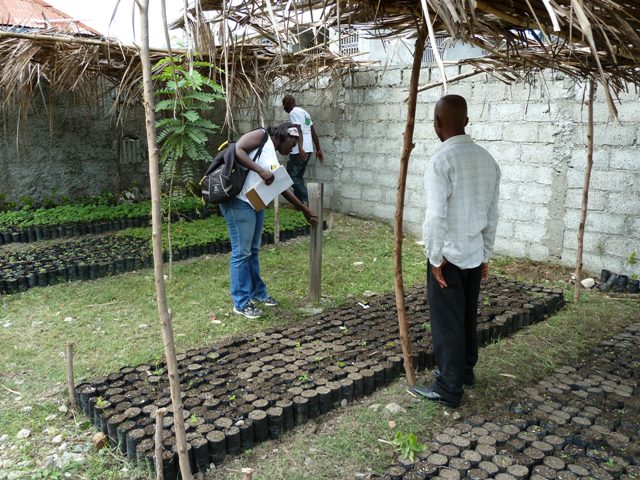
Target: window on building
428	56
349	41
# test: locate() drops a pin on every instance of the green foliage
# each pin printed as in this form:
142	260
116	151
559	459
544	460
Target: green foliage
633	258
407	445
212	229
184	97
100	211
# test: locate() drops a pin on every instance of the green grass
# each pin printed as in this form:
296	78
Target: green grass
113	323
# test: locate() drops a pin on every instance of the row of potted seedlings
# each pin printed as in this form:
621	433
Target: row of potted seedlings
582	421
89	259
245	390
77	220
618	282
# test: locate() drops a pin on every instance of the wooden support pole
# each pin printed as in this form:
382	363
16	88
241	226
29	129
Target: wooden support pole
585	192
399	216
316	191
157	452
70	383
156	241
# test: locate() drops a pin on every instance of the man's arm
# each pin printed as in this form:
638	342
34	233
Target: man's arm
489	232
437	189
316	143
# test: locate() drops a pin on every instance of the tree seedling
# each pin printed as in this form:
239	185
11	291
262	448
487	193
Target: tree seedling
407	445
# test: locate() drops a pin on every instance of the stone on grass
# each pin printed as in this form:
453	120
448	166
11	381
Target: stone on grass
99	440
588	283
394	408
24	433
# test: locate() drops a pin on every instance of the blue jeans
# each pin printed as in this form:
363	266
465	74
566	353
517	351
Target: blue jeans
245	232
296	168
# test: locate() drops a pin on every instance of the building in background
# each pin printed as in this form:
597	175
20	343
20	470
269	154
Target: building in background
38	16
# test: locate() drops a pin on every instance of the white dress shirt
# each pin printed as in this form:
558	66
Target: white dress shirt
462	187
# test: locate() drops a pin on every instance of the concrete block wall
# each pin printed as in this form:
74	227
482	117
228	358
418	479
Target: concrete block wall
536	131
72	153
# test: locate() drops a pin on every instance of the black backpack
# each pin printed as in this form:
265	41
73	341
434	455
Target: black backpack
225	177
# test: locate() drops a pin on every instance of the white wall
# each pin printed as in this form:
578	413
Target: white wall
537	133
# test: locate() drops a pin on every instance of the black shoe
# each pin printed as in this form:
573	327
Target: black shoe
467	383
429	394
249	311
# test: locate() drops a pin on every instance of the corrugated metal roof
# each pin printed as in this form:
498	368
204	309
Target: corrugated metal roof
38	14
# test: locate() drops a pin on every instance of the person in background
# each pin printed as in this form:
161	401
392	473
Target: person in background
245	223
303	152
462	186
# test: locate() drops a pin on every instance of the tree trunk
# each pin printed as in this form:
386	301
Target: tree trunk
156	237
402	185
585	192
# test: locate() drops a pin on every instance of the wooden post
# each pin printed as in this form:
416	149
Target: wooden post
402	186
276	220
585	192
316	191
70	383
158	443
247	474
156	241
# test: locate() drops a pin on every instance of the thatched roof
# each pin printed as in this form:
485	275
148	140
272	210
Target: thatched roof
583	38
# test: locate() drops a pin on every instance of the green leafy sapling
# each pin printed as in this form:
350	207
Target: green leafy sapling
407	445
186	95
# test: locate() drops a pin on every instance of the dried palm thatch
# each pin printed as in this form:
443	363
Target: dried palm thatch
45	64
582	38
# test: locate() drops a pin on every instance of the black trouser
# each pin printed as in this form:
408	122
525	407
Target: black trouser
454	311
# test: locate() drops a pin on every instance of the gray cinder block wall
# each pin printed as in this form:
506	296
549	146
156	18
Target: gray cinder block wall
536	130
71	153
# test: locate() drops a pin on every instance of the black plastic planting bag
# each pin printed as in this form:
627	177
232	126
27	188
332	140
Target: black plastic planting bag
225	177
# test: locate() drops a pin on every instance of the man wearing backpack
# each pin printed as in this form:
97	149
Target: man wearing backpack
303	152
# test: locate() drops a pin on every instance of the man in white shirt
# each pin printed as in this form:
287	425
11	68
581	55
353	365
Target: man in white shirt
302	153
462	186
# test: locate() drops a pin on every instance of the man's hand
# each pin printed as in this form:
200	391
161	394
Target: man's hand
303	154
266	176
320	155
437	273
311	218
484	271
